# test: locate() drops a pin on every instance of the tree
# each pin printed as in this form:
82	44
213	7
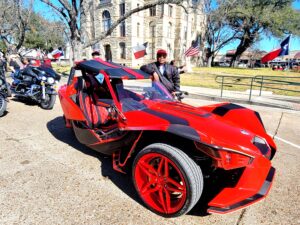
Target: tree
252	18
41	33
14	21
74	11
217	32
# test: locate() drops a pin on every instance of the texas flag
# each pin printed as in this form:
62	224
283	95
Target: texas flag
283	50
57	53
139	51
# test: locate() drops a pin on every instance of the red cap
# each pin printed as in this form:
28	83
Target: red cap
161	52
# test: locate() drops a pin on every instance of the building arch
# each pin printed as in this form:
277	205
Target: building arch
152	29
122	46
108	53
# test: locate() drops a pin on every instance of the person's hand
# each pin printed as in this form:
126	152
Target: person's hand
155	77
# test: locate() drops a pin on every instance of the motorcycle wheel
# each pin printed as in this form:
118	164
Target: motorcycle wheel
3	105
48	103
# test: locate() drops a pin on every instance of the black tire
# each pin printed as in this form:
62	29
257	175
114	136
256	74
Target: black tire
49	102
3	105
189	170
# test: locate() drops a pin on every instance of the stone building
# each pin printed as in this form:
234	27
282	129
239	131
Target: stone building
164	26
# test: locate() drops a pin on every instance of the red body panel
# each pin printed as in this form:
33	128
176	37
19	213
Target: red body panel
248	185
70	109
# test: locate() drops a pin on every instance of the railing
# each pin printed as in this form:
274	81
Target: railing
282	83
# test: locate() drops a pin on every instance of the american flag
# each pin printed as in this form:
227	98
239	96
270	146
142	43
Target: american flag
194	49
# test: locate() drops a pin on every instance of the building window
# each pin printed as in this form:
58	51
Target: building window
122	29
169	49
169	30
185	33
152	29
138	30
152	50
122	50
170	11
105	2
122	9
153	11
106	20
195	2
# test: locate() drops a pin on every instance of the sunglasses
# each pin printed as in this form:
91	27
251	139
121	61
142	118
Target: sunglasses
159	56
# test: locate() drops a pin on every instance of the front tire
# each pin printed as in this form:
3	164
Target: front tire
168	181
48	102
3	105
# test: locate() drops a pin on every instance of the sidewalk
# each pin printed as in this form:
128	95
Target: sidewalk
267	98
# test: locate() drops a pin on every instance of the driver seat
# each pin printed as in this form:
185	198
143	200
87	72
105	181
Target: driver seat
95	115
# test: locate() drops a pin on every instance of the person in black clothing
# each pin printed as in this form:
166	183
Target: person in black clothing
164	72
181	69
3	67
15	63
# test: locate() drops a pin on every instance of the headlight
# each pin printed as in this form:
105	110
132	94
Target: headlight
262	145
224	157
44	78
50	80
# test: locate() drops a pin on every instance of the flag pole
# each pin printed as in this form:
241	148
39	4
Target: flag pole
289	53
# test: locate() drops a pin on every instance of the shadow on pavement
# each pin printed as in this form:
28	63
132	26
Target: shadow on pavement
60	132
24	100
124	182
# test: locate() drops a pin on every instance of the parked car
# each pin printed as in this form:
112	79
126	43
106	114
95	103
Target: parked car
224	64
242	65
172	149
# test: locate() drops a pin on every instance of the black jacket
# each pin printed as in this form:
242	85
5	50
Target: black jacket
170	79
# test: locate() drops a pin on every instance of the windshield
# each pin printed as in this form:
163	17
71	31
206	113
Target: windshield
134	94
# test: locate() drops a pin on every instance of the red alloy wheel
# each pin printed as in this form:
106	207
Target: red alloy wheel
162	182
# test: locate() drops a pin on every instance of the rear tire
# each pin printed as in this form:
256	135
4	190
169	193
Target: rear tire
168	181
3	105
49	102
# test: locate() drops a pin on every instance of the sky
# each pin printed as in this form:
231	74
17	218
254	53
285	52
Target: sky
266	44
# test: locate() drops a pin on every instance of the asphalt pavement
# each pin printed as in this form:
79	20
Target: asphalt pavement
47	177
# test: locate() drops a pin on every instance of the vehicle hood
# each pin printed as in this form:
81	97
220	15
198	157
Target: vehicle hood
201	125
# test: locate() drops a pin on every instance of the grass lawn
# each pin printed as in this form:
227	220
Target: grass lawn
61	69
206	77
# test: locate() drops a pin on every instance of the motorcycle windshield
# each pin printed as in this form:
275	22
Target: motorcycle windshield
133	93
50	72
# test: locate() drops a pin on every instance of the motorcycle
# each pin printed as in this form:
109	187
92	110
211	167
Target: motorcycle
4	93
38	84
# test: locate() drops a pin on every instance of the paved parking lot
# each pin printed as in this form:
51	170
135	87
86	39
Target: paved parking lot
47	177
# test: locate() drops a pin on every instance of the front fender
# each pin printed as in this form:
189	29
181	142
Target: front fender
242	117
